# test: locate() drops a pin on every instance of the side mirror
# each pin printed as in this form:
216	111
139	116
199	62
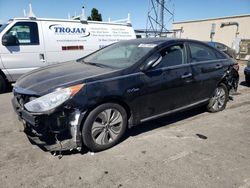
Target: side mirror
151	62
10	40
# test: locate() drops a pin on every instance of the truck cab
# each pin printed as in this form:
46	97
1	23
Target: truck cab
21	48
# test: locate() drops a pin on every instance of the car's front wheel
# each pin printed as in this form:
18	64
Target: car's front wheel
219	99
104	126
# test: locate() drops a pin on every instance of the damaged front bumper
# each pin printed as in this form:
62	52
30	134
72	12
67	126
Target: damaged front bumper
59	131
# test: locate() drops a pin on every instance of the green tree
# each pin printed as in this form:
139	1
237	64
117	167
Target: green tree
95	16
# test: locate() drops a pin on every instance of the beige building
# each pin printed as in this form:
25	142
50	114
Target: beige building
234	31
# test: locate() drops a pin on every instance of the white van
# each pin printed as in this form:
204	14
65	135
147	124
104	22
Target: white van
30	43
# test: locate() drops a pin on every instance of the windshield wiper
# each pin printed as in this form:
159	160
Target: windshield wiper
97	64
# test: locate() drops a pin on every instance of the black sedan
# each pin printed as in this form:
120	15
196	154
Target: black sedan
91	102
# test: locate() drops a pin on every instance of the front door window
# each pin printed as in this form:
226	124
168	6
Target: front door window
25	32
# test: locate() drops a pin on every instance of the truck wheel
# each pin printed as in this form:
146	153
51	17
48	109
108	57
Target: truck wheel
3	84
104	126
219	99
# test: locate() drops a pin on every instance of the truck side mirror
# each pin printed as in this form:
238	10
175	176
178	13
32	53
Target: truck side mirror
151	62
9	40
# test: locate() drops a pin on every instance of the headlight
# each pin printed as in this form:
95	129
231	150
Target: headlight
52	100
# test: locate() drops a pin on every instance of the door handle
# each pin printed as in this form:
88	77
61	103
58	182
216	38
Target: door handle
187	75
42	58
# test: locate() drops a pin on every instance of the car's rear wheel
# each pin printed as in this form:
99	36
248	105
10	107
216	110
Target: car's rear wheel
104	126
3	84
219	99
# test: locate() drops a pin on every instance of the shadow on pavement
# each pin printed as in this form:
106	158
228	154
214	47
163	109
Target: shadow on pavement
148	126
164	121
244	83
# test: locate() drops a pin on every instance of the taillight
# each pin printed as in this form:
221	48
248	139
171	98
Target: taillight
236	67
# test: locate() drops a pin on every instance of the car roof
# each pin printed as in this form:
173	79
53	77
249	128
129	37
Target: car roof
160	40
213	42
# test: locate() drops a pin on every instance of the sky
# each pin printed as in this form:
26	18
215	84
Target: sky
118	9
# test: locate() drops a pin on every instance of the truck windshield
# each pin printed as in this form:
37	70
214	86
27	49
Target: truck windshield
3	27
119	55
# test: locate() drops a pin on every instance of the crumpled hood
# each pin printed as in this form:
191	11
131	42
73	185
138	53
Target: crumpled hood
44	80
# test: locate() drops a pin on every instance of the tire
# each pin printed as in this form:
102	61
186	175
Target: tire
3	84
219	99
247	80
104	127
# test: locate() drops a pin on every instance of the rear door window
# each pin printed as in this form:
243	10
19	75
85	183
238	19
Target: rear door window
25	32
201	53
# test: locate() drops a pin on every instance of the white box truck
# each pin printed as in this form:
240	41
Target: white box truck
30	43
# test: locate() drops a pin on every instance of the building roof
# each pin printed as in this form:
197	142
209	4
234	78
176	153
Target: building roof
216	18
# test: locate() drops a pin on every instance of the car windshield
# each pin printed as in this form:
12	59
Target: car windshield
119	55
3	27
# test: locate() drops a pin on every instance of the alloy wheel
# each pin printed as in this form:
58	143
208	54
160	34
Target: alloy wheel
219	99
107	126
